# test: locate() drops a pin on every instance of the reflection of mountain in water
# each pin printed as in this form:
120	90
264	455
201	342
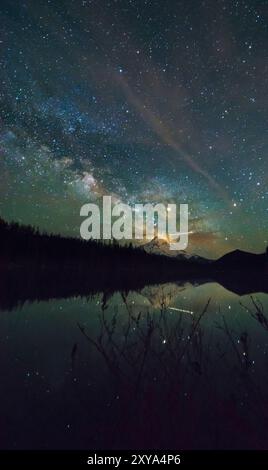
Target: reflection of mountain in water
20	284
163	295
155	296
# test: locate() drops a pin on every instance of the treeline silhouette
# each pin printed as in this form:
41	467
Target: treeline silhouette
24	243
41	266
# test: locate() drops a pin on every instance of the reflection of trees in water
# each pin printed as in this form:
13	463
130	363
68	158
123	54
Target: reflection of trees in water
180	384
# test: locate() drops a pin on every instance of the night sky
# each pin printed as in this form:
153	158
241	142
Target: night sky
148	101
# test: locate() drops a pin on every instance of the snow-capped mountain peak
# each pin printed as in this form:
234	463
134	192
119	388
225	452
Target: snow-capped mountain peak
162	247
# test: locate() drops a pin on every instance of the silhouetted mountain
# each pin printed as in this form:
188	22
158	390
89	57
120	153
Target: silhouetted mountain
238	259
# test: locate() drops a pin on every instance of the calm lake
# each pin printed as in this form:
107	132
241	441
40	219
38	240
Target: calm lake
172	366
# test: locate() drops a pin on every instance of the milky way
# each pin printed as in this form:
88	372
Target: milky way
147	101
